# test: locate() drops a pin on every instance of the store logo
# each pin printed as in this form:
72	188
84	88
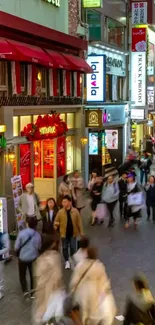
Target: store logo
96	80
106	117
55	3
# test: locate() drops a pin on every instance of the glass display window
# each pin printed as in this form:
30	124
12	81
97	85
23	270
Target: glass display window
15	126
37	159
70	120
61	156
48	159
24	120
70	154
63	117
115	33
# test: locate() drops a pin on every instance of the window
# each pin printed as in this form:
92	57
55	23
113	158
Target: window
37	159
24	120
3	74
63	117
41	81
48	159
23	76
115	33
70	154
15	126
94	22
70	120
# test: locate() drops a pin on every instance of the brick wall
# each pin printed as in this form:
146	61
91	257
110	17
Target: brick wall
73	11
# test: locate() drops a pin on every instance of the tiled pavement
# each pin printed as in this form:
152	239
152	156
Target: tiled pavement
123	252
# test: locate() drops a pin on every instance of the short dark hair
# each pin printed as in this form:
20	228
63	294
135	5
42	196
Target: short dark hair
92	253
50	241
32	222
140	282
84	242
65	178
67	197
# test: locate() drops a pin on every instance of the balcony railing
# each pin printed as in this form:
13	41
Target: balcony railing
35	101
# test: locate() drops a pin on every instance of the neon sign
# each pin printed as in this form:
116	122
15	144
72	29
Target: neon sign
106	117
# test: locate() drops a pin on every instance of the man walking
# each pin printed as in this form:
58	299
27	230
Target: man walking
122	183
69	222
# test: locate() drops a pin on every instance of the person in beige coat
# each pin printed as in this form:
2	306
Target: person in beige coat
89	286
78	190
48	276
65	188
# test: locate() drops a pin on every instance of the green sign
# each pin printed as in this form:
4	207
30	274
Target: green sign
2	142
94	22
92	3
55	3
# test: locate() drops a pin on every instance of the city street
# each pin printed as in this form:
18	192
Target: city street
123	252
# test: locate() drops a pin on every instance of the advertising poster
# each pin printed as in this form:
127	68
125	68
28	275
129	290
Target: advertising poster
96	81
138	78
93	143
61	156
111	139
139	39
25	163
17	191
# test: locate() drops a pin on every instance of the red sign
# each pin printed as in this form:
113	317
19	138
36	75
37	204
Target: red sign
139	40
25	163
61	156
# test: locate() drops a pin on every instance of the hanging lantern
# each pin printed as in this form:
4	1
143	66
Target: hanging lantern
84	140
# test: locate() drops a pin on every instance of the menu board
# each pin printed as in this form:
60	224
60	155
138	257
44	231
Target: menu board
17	191
25	163
61	156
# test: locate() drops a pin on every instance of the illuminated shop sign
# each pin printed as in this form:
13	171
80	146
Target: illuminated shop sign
138	78
137	114
92	4
106	116
96	81
55	3
48	130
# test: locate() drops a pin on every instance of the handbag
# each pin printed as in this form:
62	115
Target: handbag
135	198
24	244
101	211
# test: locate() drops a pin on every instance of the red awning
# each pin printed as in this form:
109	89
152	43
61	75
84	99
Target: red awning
33	54
59	60
77	63
7	51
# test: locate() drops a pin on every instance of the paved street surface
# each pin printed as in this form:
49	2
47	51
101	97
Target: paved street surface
123	252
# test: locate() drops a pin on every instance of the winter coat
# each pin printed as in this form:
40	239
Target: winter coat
23	206
150	195
122	187
96	194
132	189
78	192
61	222
49	279
140	308
47	224
64	189
110	193
91	288
145	165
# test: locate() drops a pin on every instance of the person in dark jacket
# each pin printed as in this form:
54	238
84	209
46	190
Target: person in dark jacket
140	306
122	183
145	163
96	197
150	197
48	215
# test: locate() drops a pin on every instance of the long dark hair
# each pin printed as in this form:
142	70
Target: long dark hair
55	205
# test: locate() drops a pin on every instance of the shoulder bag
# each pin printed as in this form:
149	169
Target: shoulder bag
24	244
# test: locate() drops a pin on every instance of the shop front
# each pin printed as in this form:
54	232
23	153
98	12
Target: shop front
107	133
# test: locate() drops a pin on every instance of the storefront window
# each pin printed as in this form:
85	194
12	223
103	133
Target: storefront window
48	159
24	120
35	118
37	159
63	117
15	126
70	120
115	33
23	76
41	81
61	156
70	154
94	22
3	73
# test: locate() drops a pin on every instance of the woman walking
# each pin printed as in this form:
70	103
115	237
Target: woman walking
144	165
91	290
92	180
65	188
110	195
150	197
96	197
48	215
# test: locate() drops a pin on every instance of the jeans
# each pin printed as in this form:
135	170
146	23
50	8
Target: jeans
23	266
69	243
149	211
123	206
143	174
111	207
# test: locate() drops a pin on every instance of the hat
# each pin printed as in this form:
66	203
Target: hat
29	185
130	175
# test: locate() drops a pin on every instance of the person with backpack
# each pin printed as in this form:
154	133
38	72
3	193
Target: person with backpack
4	250
110	196
140	306
27	247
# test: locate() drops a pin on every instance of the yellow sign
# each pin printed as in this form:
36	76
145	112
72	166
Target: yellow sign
2	128
47	130
92	4
93	118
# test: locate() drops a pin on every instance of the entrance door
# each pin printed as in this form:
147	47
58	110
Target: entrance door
25	163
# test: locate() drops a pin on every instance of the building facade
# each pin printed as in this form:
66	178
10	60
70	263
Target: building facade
41	75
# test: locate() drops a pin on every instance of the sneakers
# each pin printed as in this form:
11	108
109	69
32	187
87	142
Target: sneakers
67	265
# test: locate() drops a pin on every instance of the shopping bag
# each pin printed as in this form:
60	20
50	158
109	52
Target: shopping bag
101	211
136	199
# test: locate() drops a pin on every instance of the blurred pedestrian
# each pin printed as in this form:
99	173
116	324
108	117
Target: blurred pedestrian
69	222
110	196
29	205
92	180
27	246
78	190
49	281
65	188
82	252
48	215
140	306
4	250
145	163
96	194
150	197
122	183
134	201
91	291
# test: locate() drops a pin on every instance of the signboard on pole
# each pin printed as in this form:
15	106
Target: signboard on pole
138	78
139	39
139	13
